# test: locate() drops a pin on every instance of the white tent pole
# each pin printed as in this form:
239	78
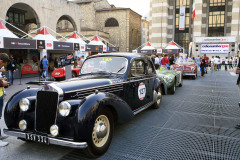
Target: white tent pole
14	26
107	41
56	33
31	33
66	36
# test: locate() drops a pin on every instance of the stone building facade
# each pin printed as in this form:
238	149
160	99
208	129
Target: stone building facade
86	16
145	31
216	22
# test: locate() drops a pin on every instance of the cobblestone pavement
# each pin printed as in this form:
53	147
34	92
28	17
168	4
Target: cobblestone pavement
197	122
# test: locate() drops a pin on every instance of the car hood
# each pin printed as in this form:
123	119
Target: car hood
81	83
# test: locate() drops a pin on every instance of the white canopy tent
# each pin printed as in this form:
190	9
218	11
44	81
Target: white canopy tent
97	41
4	32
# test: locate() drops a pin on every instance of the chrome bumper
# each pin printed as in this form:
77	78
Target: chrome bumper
77	145
189	74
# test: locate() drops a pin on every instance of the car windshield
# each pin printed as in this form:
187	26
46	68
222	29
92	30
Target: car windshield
185	61
110	64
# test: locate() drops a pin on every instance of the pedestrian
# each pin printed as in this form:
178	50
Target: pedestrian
4	60
198	61
81	61
165	62
202	67
226	63
75	63
171	60
11	68
156	62
55	63
45	68
238	83
206	62
215	63
230	63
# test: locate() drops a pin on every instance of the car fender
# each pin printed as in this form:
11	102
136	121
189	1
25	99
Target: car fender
159	82
12	110
93	104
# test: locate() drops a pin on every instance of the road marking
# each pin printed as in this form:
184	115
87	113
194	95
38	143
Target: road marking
232	73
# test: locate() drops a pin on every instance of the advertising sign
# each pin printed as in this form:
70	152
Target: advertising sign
40	44
92	48
16	43
214	48
215	39
154	51
63	46
82	47
1	42
76	47
159	51
172	51
182	18
49	45
113	49
28	69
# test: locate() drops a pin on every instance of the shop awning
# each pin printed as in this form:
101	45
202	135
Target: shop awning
4	32
77	40
148	49
96	43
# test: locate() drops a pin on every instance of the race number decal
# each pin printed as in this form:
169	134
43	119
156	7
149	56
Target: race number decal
141	91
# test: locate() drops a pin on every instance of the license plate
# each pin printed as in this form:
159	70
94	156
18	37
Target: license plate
37	138
57	73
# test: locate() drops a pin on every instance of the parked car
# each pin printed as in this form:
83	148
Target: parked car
188	67
81	112
172	78
59	73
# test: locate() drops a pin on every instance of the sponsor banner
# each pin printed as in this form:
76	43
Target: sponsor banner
49	45
215	39
182	18
172	51
63	46
17	43
76	46
28	69
40	44
92	48
113	49
154	51
104	48
214	48
1	42
82	47
159	51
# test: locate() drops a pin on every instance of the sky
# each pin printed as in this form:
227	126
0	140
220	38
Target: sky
142	7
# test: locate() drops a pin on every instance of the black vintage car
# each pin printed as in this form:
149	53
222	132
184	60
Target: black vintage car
81	112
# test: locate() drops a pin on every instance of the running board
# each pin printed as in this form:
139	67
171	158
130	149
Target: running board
143	108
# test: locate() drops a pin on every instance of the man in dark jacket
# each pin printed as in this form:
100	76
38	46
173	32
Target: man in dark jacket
11	68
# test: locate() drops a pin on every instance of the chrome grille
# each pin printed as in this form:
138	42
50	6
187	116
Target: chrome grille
46	109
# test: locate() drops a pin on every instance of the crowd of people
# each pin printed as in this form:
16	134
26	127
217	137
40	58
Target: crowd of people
204	63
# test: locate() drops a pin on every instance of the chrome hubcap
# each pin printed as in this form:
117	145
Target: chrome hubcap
101	131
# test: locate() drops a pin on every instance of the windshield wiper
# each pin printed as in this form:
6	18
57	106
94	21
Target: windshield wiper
120	69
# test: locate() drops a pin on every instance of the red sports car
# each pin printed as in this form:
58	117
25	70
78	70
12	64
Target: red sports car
188	67
59	73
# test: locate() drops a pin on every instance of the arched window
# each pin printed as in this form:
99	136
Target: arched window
111	22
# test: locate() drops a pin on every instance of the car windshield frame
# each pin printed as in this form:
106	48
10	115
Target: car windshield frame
104	65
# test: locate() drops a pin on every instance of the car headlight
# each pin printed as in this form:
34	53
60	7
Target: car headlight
54	130
22	125
64	108
192	68
24	104
169	79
